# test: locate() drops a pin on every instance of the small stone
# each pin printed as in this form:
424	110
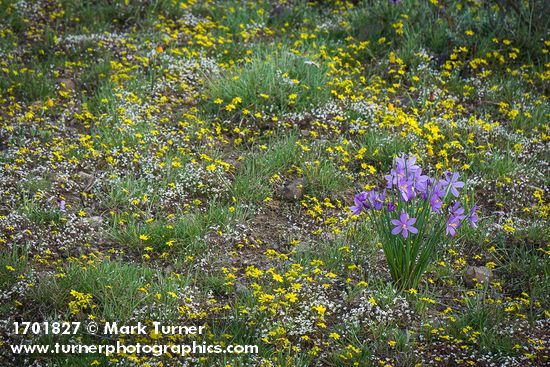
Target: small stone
66	84
294	190
88	180
85	176
241	289
477	274
93	222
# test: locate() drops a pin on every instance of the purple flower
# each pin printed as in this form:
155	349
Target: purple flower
361	203
406	189
406	164
395	175
451	180
403	167
473	216
377	200
403	225
61	204
390	179
420	181
452	225
436	203
438	190
457	211
391	206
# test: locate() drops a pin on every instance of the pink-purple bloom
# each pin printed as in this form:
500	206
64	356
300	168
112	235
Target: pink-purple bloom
420	181
406	164
457	211
436	203
404	225
405	168
360	203
406	189
61	204
455	219
377	200
473	216
451	181
452	225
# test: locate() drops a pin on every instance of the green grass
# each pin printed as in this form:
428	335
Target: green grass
322	178
251	182
13	262
284	158
270	72
119	289
483	319
104	15
40	215
30	85
184	233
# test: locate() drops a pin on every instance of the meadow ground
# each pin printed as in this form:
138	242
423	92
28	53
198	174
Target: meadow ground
193	163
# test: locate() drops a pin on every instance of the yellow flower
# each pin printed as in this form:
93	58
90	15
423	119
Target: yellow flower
277	278
320	309
291	297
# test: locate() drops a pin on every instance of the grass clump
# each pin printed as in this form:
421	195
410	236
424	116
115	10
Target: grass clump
119	289
275	80
252	181
12	263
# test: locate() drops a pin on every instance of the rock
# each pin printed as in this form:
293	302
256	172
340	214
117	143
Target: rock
241	289
93	222
66	84
477	274
168	270
294	190
88	180
237	163
85	176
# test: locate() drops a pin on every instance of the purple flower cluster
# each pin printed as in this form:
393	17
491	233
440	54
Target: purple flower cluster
366	200
408	178
411	189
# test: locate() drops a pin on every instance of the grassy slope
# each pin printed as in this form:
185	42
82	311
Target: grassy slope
146	147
